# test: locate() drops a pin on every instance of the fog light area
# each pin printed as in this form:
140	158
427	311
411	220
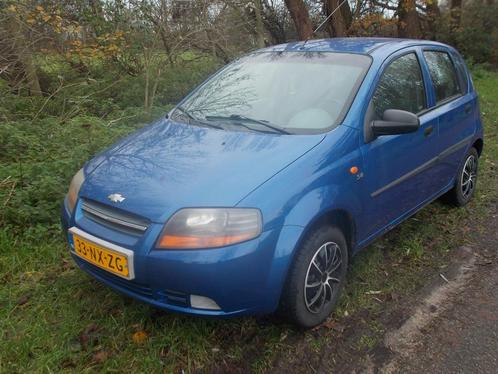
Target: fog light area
202	302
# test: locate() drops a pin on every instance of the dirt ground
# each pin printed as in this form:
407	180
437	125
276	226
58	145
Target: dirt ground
450	326
460	333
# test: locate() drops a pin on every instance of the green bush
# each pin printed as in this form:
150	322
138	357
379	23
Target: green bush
477	35
38	160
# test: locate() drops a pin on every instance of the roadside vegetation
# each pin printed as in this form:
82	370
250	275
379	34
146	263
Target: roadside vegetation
75	78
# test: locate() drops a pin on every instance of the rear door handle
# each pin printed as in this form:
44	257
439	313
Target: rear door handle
468	108
428	130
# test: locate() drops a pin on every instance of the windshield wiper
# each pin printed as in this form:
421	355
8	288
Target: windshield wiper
197	120
238	117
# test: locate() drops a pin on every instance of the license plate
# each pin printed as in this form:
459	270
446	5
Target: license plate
113	261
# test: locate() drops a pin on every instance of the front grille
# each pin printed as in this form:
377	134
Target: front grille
114	218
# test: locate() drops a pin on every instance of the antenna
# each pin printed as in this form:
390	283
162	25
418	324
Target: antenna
325	21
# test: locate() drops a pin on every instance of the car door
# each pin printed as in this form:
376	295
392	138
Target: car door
455	108
398	169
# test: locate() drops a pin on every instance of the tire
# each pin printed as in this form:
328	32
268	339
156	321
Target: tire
464	188
301	304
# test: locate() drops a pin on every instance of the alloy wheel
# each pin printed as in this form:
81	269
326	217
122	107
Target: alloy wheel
469	176
323	277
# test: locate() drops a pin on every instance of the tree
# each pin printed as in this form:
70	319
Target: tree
16	50
301	18
455	14
260	31
275	19
433	14
340	22
408	20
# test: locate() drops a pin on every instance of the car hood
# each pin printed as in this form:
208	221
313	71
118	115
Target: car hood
170	165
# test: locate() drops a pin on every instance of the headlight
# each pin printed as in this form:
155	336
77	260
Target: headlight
74	189
210	228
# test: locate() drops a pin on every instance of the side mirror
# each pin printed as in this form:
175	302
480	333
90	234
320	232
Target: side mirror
394	122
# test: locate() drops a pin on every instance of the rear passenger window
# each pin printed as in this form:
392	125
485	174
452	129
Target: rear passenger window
443	75
400	87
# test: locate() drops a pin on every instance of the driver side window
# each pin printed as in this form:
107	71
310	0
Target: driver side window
401	87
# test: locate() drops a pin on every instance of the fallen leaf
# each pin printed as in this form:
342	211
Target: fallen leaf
78	294
23	300
67	265
140	337
75	346
89	336
329	324
68	363
100	356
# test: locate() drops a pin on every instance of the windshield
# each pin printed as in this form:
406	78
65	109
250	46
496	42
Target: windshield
287	92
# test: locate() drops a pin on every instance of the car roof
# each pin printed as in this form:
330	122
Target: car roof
350	45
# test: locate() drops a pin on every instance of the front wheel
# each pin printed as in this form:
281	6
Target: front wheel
466	181
316	278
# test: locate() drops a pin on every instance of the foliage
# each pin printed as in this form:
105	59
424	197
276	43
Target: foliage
477	35
38	159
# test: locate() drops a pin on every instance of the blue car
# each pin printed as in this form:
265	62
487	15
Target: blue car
252	195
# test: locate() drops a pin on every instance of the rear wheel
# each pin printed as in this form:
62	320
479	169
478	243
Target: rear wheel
465	184
316	278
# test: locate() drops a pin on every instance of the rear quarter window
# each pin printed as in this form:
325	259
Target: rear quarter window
443	74
462	72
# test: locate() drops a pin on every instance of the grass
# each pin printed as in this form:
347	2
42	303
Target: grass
55	318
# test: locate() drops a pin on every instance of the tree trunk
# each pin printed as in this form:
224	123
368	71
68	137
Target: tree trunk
152	95
147	68
456	14
408	20
260	29
433	14
301	18
340	22
25	57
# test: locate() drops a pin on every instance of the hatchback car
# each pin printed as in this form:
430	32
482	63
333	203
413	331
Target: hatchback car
252	194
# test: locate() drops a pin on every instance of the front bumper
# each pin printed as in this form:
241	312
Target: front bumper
245	278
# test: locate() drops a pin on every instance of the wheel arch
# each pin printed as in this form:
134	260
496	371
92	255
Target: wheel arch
339	218
478	145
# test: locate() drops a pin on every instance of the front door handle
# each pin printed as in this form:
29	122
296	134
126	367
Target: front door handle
428	130
468	108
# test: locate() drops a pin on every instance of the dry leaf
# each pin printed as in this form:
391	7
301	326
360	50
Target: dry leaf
23	300
140	337
89	336
100	356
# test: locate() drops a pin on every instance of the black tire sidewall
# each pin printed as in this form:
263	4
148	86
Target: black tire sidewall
294	303
460	199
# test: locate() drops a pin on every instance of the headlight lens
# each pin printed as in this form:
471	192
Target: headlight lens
210	228
74	189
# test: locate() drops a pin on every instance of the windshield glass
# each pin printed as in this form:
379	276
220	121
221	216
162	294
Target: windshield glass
288	92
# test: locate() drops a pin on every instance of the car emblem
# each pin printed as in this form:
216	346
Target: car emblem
116	198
